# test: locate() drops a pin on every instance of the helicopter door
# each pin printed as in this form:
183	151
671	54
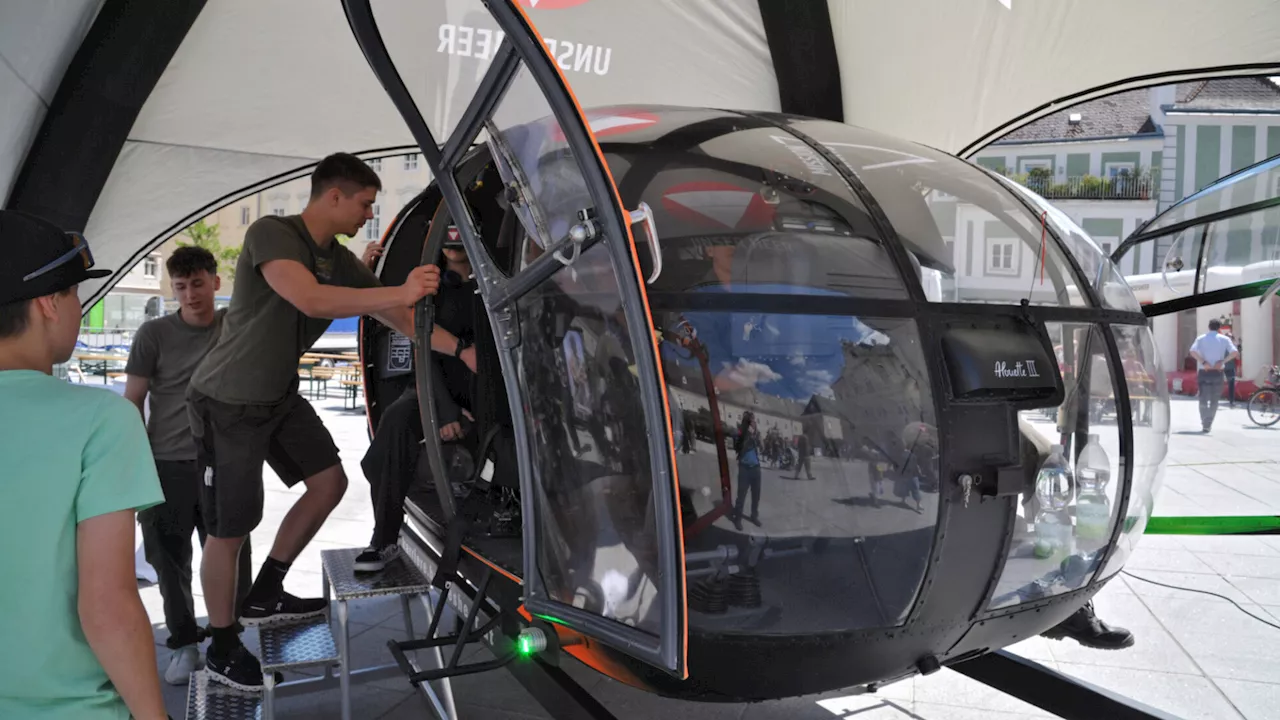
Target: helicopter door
1219	245
603	553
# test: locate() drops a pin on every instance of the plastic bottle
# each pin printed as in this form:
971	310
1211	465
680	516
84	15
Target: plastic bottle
1053	530
1093	508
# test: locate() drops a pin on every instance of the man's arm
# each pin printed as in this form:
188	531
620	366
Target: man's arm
111	612
117	478
135	391
295	283
144	356
442	341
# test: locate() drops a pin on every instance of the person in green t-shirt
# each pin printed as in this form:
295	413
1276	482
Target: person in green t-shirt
77	467
292	279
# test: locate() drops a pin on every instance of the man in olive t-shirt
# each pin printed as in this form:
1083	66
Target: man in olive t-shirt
163	355
292	279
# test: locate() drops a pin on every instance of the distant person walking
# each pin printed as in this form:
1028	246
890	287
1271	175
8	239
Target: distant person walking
1212	351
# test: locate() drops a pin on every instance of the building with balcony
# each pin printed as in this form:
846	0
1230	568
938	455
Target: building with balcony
1113	163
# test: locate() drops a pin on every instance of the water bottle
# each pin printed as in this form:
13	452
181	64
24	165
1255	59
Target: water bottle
1093	508
1053	535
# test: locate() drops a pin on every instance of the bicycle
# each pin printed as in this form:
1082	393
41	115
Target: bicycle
1264	403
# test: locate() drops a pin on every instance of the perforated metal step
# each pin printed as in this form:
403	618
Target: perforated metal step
399	577
297	645
211	700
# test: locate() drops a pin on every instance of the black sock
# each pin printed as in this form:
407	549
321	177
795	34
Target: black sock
224	639
270	582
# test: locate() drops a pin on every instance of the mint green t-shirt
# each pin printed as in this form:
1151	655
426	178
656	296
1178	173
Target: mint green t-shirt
67	453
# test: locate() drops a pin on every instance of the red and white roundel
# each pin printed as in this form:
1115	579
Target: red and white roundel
551	4
717	204
611	123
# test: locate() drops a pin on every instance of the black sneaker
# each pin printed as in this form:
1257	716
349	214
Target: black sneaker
239	669
1085	628
375	559
284	609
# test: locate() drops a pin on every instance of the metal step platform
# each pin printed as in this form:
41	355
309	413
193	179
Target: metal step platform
289	647
211	700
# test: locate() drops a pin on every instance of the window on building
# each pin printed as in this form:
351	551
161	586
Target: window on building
373	228
278	212
1108	244
1025	166
150	268
376	164
411	161
244	214
1113	169
1000	257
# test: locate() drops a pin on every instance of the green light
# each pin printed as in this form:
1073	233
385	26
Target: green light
525	645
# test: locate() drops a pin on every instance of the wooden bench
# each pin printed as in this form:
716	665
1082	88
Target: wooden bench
351	389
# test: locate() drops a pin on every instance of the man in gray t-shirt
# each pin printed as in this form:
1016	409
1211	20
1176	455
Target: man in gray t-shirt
161	359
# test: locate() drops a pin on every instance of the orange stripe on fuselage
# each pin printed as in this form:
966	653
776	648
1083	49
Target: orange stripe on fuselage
644	296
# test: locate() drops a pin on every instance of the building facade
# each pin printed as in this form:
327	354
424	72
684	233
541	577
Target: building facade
1113	163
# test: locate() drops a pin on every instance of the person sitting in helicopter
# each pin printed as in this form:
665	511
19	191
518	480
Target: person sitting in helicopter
390	465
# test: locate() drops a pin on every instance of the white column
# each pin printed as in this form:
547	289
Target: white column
1256	331
1255	336
1164	331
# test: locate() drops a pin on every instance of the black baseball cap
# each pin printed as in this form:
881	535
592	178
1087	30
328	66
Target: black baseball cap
40	258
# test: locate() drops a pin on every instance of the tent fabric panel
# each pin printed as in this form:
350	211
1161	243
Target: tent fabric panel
284	77
37	41
804	58
107	82
612	52
156	190
21	113
912	68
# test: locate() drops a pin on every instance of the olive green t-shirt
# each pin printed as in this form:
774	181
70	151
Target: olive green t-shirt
166	351
255	360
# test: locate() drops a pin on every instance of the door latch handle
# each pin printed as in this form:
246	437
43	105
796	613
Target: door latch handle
643	213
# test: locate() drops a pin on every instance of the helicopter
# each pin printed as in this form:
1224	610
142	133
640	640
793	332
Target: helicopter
715	273
748	267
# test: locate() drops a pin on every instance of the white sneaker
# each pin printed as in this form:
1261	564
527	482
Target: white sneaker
182	664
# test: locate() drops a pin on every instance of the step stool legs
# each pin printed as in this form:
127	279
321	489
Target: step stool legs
408	616
268	696
441	702
344	659
324	580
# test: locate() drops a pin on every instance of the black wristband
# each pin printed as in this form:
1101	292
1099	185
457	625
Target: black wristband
462	345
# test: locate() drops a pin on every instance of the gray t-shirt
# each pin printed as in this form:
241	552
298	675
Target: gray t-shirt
255	361
165	352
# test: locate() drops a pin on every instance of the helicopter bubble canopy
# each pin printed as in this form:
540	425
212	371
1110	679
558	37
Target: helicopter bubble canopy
739	459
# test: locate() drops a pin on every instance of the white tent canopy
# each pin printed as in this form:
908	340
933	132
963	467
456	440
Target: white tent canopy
258	90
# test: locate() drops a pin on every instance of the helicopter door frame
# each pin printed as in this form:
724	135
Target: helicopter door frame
668	649
1261	289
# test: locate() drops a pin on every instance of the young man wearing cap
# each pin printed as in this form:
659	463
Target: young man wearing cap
292	279
76	469
164	353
